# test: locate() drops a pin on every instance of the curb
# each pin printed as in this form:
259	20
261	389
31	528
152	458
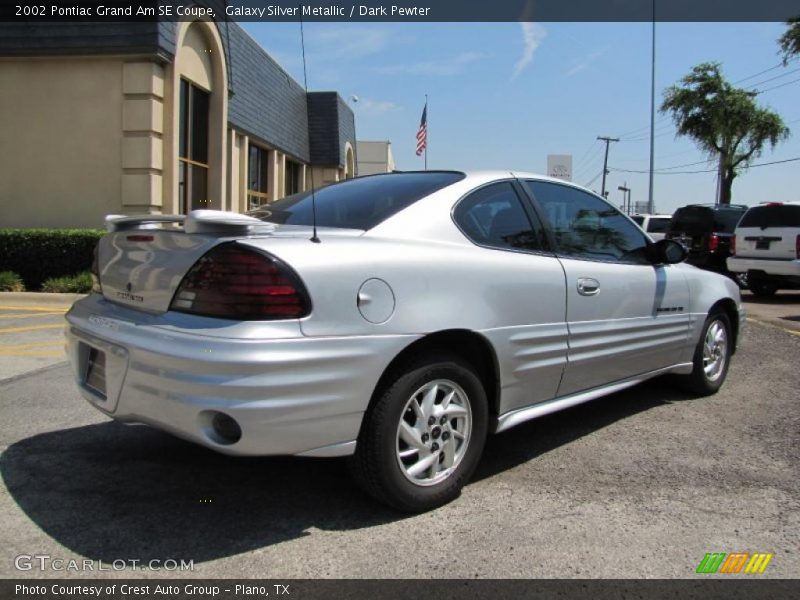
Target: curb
39	298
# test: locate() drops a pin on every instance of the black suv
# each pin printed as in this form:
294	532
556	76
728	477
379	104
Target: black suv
706	230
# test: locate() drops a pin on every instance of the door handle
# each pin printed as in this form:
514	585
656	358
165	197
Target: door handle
588	286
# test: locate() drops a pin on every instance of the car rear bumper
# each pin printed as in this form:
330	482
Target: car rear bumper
783	268
289	395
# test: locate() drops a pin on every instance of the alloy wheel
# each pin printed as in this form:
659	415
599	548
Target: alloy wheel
434	432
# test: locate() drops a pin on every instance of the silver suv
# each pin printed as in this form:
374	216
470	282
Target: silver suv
766	247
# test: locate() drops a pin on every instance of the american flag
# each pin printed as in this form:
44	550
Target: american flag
422	134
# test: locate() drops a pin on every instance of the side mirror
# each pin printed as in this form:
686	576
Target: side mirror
667	252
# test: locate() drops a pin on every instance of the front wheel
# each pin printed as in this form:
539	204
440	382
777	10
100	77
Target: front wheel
423	435
712	356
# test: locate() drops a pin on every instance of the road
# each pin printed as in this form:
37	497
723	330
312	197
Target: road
639	484
31	336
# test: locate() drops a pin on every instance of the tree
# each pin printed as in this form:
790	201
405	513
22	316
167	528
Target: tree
723	120
790	40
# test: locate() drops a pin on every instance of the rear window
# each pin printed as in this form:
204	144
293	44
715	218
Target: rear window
785	215
360	203
703	219
656	225
638	220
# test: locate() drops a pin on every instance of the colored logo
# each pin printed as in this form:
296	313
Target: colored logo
737	562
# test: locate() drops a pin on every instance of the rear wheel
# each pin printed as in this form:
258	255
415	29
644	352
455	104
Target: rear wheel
712	356
423	435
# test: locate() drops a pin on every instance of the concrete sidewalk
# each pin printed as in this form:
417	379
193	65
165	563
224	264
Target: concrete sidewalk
38	299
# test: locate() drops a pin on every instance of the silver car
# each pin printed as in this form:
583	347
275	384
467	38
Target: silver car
396	318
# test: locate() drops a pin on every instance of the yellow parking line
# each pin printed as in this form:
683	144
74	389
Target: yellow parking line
768	324
27	316
31	328
35	308
31	353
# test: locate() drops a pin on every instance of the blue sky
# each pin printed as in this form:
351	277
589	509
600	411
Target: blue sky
504	95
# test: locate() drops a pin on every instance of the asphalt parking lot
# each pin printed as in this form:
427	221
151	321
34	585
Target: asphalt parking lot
639	484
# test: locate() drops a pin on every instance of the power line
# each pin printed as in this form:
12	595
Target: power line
780	64
778	86
753	85
774	162
590	182
639	130
691	164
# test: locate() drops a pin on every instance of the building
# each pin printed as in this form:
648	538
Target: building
155	117
374	157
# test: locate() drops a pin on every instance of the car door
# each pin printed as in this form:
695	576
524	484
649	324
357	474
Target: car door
526	289
625	316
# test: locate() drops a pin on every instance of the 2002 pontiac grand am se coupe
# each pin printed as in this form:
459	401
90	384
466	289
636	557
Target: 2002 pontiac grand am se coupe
432	308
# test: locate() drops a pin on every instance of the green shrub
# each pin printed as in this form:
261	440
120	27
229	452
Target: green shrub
40	254
11	282
70	284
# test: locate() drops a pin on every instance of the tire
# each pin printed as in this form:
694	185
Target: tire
401	456
711	363
762	290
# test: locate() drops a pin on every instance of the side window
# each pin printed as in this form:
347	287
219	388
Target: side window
494	216
586	227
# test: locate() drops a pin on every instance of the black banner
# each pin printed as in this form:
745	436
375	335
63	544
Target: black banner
732	588
400	10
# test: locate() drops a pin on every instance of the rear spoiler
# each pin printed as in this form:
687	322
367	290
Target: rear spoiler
197	221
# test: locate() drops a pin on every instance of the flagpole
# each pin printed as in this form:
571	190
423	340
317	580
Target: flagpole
426	132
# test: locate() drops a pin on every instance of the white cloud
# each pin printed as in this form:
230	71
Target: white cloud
532	36
375	107
585	63
448	66
348	42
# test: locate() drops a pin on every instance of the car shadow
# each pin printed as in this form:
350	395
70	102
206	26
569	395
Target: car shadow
109	491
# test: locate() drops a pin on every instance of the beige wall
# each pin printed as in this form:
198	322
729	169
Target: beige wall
85	137
375	157
60	142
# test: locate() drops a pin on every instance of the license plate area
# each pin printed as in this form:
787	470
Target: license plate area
95	378
762	245
99	367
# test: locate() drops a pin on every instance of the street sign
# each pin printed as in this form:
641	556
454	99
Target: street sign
560	166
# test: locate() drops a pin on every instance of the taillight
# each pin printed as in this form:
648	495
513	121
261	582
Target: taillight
733	245
94	270
797	247
713	242
233	282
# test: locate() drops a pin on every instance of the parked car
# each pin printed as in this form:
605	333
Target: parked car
654	225
706	230
396	318
767	248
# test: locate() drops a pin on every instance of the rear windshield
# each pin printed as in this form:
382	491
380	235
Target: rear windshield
656	225
360	203
703	219
785	215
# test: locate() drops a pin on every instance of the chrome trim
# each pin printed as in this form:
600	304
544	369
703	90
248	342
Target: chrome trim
515	417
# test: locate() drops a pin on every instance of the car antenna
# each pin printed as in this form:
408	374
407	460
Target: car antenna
314	237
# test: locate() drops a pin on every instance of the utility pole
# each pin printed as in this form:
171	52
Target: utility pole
650	204
607	140
626	197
